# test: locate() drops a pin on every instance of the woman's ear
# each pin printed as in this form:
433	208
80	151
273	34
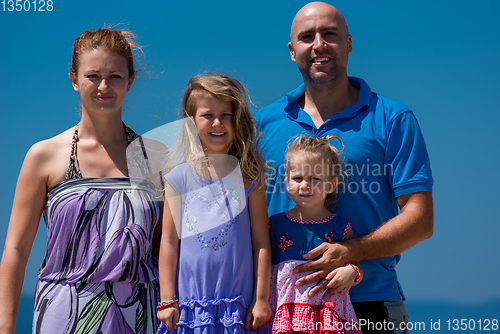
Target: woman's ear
72	78
130	82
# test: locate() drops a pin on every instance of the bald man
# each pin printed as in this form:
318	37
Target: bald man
388	194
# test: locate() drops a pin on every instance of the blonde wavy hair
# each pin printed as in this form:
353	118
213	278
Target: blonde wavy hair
320	149
244	148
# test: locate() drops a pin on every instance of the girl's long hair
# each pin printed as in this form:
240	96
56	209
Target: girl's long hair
244	146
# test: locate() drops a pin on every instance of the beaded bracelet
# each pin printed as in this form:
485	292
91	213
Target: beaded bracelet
163	305
358	276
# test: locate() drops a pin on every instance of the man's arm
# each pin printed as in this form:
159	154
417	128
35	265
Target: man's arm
414	224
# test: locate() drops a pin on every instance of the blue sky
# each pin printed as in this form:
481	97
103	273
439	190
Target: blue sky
440	58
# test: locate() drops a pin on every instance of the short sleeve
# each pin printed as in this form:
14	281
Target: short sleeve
175	178
249	188
407	154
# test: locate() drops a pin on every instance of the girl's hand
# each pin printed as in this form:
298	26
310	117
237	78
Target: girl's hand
341	279
331	256
258	314
169	316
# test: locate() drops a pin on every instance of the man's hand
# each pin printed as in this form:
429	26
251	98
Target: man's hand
411	226
332	256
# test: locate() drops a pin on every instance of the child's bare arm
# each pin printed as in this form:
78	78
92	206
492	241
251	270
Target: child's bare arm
168	258
259	313
342	278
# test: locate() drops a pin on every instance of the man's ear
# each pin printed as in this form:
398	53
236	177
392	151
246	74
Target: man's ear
292	53
72	78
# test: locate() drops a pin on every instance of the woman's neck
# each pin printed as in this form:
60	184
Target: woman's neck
102	129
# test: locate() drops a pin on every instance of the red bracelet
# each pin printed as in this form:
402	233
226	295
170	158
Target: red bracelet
358	276
166	304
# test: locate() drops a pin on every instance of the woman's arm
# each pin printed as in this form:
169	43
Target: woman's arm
169	254
259	311
29	202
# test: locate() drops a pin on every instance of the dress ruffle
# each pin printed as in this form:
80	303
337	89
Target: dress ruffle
293	306
312	319
213	313
220	316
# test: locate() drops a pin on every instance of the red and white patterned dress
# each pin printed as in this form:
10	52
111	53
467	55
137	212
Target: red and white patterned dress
293	310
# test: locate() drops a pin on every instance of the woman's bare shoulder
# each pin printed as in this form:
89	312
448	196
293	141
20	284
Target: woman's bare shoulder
47	148
49	159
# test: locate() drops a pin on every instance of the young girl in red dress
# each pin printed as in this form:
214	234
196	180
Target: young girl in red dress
313	168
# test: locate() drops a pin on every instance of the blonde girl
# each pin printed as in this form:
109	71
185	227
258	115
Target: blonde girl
215	258
313	172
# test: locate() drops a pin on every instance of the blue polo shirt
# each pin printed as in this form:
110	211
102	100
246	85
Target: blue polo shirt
384	155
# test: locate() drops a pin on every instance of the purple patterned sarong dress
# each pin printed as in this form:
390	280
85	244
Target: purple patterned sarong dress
99	274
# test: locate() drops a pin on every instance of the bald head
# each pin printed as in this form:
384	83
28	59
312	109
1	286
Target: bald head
320	43
311	13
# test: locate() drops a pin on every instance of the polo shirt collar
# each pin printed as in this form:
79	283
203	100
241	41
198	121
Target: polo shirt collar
351	111
363	99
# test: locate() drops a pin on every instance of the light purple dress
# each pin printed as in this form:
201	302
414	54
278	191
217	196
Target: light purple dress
99	274
215	271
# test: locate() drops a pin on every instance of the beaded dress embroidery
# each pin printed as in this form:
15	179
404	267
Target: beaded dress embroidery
215	270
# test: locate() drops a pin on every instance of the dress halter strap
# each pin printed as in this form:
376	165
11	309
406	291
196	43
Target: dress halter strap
73	171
